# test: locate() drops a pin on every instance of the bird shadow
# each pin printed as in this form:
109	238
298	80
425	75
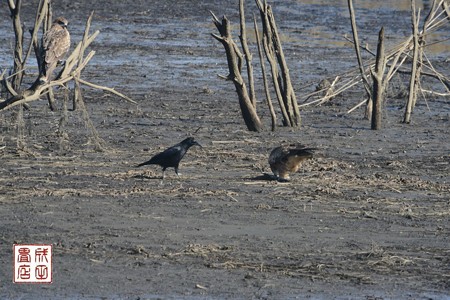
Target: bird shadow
142	176
264	176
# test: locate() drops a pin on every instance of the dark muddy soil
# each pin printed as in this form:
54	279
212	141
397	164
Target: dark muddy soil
367	218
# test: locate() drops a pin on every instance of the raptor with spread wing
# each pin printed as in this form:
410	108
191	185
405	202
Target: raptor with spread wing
287	159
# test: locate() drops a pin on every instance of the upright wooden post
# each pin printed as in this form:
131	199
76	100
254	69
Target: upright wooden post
378	83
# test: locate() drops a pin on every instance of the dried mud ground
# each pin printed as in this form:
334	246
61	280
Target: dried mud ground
367	218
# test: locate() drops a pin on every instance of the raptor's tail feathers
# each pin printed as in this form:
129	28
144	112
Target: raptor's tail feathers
305	152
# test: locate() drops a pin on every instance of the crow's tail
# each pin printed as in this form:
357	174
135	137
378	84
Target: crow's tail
142	164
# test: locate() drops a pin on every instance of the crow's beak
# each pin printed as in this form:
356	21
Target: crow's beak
195	143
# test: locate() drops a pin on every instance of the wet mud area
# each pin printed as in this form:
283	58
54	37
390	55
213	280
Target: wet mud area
366	218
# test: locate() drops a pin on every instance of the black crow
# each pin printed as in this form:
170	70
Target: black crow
287	159
171	157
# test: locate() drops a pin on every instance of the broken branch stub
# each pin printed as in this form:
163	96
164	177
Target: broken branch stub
379	84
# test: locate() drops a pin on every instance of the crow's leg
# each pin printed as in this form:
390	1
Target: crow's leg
176	171
163	176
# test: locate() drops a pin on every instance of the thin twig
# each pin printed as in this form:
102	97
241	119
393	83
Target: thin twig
111	90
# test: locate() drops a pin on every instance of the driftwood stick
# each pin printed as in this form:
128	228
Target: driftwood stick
9	87
394	66
347	84
111	90
356	106
432	15
366	47
436	93
72	60
439	76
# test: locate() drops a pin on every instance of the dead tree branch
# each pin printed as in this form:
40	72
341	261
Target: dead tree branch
360	62
73	67
415	69
234	58
14	7
247	54
273	116
275	55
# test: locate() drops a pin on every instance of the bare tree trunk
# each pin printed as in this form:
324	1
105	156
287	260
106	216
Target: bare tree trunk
276	83
289	94
280	72
414	82
378	83
281	80
47	25
14	7
360	62
247	54
51	100
234	58
263	70
62	130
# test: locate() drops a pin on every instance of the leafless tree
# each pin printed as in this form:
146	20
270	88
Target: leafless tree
273	51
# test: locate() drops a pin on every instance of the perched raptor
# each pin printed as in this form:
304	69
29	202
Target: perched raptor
287	159
55	44
171	157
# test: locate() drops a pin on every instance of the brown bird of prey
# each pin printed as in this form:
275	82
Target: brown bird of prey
55	44
287	159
